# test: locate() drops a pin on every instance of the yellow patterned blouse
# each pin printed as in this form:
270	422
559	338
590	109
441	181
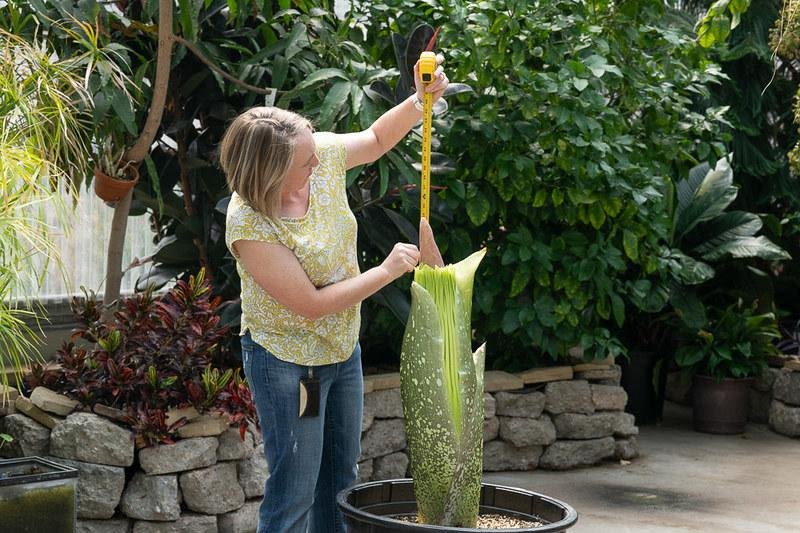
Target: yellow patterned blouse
324	240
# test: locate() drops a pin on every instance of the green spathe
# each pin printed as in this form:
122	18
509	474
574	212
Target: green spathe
441	383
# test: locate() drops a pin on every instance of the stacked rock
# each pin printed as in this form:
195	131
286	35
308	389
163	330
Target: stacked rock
554	418
784	411
210	481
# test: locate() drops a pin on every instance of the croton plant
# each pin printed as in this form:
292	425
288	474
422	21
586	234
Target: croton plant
159	351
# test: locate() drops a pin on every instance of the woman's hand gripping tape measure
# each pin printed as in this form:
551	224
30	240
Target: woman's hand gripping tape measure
427	69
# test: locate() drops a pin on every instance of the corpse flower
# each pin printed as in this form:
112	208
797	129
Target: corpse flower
441	384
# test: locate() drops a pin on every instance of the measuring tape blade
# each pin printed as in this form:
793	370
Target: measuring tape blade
425	197
427	68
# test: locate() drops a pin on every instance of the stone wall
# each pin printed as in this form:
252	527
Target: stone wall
212	481
775	398
552	418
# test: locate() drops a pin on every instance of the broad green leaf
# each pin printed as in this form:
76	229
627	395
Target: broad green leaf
597	216
519	282
478	209
189	10
356	97
692	271
739	247
293	39
154	182
318	76
687	356
739	6
688	306
233	8
122	106
630	243
383	171
711	197
172	251
280	69
617	308
334	101
540	198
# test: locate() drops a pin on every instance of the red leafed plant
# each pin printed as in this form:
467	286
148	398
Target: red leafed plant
157	352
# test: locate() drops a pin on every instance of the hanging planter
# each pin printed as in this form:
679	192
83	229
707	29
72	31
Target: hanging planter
111	189
379	506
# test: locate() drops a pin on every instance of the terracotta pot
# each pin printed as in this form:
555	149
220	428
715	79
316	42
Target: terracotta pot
112	189
720	407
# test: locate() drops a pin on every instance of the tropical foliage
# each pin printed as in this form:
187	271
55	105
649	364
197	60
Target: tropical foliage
734	343
43	136
562	158
558	159
158	352
704	233
722	17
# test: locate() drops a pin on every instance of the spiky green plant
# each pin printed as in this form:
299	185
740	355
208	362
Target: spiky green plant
43	143
441	384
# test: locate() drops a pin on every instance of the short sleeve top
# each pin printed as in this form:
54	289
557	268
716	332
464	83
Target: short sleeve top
324	241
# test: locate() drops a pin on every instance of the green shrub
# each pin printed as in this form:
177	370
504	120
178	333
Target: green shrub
583	113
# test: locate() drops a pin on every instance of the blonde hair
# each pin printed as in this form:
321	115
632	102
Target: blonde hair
256	152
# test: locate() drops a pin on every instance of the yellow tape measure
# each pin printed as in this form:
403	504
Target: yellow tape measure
427	68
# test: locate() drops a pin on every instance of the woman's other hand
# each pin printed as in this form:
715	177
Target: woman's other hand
439	83
403	258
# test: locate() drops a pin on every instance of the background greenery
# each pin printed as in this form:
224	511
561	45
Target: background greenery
560	161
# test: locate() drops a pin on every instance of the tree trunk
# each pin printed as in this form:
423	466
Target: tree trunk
140	149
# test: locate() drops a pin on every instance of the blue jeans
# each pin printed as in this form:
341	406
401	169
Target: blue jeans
310	459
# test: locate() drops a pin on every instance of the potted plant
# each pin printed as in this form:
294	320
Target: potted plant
703	237
723	357
113	176
441	387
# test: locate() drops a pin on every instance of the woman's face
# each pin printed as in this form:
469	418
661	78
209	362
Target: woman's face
303	163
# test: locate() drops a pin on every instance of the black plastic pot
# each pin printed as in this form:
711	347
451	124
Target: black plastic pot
370	507
37	495
644	379
720	407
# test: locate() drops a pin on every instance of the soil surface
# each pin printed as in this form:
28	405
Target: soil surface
488	521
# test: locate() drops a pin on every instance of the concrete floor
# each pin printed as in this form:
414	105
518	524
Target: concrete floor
683	481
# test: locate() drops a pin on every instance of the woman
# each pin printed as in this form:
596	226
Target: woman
294	239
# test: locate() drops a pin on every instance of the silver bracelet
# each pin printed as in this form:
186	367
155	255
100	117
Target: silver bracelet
418	103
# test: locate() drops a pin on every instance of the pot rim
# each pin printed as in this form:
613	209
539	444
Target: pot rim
710	378
341	499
